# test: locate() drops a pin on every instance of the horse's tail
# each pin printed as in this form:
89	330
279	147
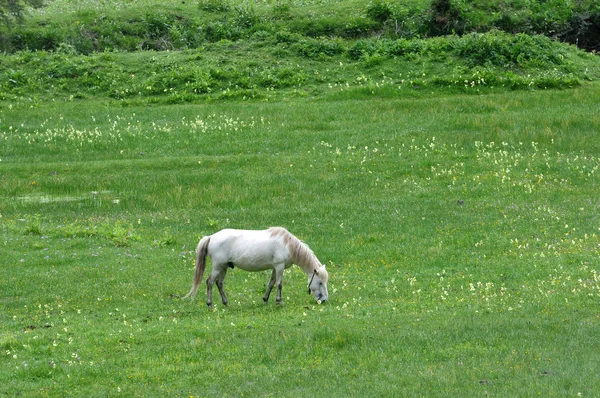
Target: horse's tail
201	252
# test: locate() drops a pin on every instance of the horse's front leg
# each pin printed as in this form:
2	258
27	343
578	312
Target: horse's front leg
279	282
269	287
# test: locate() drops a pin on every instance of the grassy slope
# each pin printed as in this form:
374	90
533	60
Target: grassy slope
268	52
460	232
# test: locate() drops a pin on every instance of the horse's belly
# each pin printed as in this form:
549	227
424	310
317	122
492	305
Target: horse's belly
259	262
252	267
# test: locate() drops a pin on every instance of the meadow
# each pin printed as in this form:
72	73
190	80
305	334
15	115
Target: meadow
456	210
461	235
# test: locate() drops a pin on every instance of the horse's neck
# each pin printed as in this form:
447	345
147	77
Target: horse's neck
308	268
300	253
303	256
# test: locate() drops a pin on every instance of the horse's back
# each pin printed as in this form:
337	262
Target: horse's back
239	236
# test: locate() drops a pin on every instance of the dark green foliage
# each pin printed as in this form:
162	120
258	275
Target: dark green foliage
92	32
31	39
168	29
507	51
574	22
314	48
282	11
214	5
583	29
493	48
221	30
362	48
246	17
445	18
379	11
12	10
357	27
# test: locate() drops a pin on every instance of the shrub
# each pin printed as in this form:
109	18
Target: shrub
282	11
157	25
284	36
504	50
246	17
445	18
379	11
400	47
357	27
362	48
313	48
222	30
214	5
283	77
315	27
31	39
583	29
408	22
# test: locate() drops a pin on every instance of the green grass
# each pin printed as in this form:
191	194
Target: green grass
449	183
460	232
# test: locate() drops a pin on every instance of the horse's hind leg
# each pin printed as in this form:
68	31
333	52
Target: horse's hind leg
220	280
209	285
269	287
217	275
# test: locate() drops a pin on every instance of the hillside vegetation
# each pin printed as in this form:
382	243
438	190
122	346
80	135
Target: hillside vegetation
218	49
162	25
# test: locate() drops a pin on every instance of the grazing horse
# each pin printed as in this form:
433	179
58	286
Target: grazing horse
274	248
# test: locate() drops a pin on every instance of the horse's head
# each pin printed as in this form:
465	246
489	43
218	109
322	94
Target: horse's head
317	284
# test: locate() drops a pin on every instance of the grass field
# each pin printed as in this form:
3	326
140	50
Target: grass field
461	234
451	193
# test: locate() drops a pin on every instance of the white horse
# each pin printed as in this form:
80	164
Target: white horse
274	248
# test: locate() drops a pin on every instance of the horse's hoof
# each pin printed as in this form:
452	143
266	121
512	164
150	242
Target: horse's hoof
278	303
209	305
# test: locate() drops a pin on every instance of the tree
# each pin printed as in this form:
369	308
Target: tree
13	10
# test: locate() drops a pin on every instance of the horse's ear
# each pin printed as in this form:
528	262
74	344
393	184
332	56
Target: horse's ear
316	271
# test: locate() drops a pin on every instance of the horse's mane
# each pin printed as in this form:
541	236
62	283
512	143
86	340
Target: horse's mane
300	252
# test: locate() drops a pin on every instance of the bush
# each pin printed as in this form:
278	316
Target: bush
214	5
504	50
445	18
379	11
314	48
30	39
220	30
357	27
246	17
284	36
282	11
362	48
583	29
